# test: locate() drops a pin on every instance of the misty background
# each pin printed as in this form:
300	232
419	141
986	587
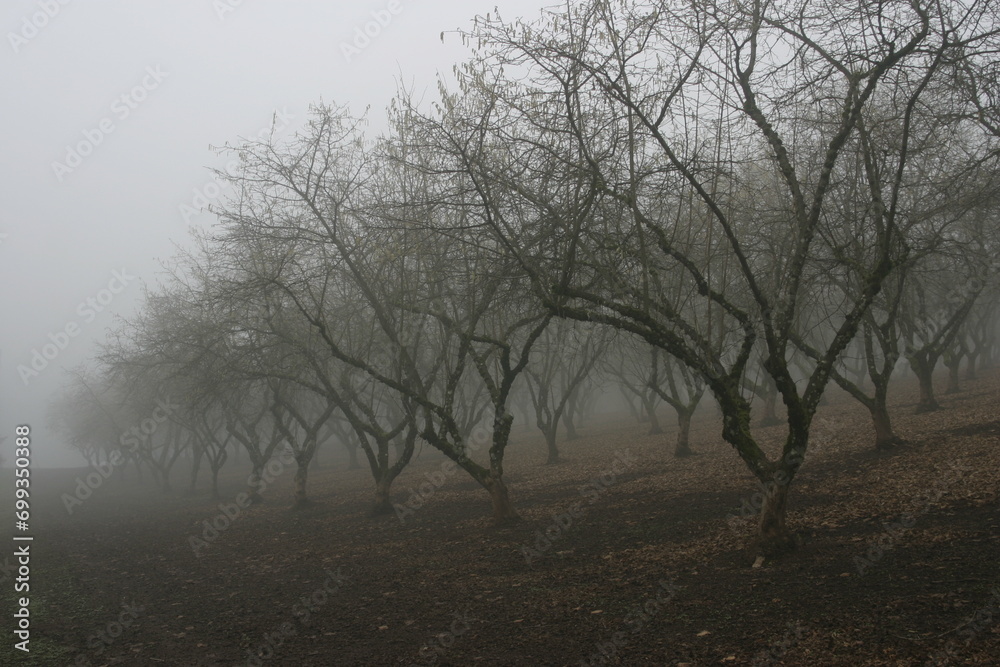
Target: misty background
145	89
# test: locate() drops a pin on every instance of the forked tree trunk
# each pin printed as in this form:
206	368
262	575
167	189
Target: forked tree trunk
683	447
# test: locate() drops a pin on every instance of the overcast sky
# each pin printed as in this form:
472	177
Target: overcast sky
111	108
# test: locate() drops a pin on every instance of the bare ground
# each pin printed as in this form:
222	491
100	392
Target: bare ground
898	563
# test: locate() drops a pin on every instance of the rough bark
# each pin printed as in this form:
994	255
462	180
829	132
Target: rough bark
503	509
885	437
774	538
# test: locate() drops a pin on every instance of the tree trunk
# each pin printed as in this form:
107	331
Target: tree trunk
885	437
550	444
683	447
774	538
925	375
503	510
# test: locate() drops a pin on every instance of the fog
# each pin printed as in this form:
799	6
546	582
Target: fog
145	88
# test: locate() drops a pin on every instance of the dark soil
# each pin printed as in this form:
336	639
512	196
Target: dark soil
898	562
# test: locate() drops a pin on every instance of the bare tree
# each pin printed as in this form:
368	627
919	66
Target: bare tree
661	120
564	357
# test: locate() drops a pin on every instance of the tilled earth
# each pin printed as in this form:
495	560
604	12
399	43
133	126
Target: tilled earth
625	556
